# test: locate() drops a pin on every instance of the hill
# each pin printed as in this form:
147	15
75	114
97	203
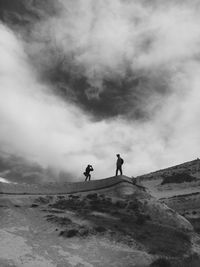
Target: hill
178	187
108	222
180	179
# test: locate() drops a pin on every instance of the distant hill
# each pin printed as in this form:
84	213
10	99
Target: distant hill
178	187
190	167
179	179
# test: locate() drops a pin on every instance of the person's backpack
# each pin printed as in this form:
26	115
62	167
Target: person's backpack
122	161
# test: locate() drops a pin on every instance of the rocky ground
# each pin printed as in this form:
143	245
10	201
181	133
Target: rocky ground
33	235
179	188
176	180
94	229
188	205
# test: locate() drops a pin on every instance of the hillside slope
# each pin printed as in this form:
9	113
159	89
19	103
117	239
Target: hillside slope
180	179
109	222
178	187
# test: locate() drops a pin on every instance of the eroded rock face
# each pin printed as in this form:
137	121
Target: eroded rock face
136	220
116	186
161	213
121	187
113	211
179	188
175	180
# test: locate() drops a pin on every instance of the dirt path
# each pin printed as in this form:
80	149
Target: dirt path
28	240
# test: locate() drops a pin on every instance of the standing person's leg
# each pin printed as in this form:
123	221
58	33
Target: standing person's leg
89	176
86	178
116	171
120	169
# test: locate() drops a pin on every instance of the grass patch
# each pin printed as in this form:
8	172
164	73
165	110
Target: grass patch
126	223
161	262
34	205
192	260
69	233
196	224
63	221
178	178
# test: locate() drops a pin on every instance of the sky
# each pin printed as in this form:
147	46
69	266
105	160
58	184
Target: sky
84	80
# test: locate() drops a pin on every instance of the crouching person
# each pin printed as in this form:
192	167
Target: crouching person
87	172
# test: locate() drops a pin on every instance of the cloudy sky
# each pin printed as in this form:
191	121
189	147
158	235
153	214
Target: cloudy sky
82	80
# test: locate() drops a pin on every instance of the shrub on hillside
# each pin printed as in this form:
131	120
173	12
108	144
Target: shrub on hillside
178	178
92	196
161	262
192	260
69	233
142	218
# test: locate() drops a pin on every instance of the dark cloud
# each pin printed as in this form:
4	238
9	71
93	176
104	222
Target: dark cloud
24	9
120	96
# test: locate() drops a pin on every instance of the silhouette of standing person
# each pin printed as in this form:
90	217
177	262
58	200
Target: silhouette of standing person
119	163
87	174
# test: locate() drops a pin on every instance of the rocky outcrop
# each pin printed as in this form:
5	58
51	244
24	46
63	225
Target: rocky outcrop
115	186
120	187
